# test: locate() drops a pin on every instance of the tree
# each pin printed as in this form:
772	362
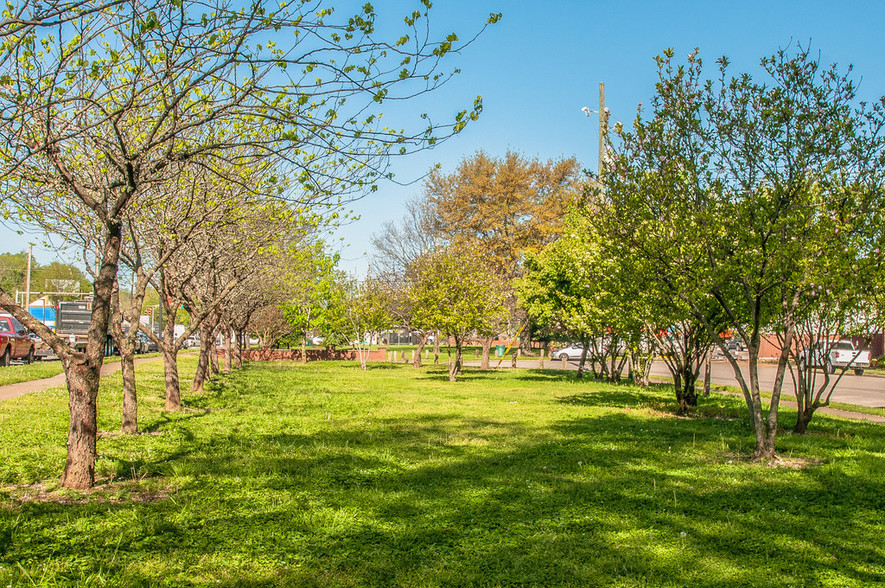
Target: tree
505	207
121	96
849	304
398	250
456	293
313	298
13	267
576	291
365	313
728	191
270	324
55	276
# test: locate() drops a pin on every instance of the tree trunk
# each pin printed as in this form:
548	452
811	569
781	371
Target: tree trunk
789	330
641	367
304	349
416	363
708	358
486	352
228	334
686	393
207	346
170	372
803	417
455	366
83	381
525	337
83	372
238	351
170	366
436	348
126	343
761	449
213	360
130	397
580	372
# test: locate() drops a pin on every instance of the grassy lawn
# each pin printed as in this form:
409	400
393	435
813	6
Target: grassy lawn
320	475
20	372
15	373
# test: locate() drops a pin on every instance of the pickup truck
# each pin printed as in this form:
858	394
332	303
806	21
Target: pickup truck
829	355
14	341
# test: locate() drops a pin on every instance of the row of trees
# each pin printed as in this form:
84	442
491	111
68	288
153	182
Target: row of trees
194	143
447	267
55	276
730	206
451	261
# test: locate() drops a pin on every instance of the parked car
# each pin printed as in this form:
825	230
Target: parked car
14	341
829	355
145	344
573	351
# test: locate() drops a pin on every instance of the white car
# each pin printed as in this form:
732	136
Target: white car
573	351
830	355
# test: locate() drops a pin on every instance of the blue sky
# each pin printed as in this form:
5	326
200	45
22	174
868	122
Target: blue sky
541	63
538	66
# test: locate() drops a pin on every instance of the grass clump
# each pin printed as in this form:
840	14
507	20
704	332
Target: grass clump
321	475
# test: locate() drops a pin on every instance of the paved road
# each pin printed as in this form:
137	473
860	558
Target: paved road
867	390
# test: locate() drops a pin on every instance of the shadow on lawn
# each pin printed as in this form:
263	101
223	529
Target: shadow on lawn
446	499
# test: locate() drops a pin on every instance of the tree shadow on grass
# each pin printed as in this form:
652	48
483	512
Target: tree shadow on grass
447	499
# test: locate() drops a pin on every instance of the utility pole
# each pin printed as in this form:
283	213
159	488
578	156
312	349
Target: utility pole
603	129
28	277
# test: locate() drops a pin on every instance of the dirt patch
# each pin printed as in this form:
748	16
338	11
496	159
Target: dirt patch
778	462
127	492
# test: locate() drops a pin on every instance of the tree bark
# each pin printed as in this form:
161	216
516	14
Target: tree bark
213	359
83	381
238	351
126	346
416	363
686	393
708	358
207	346
486	352
455	366
580	372
170	366
170	373
803	418
228	361
525	338
83	371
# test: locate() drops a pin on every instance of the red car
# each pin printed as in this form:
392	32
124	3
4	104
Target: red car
14	341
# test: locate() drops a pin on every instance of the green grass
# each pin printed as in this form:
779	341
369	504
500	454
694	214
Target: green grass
321	475
39	370
15	373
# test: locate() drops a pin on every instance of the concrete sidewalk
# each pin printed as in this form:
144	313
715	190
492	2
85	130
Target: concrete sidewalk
15	390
